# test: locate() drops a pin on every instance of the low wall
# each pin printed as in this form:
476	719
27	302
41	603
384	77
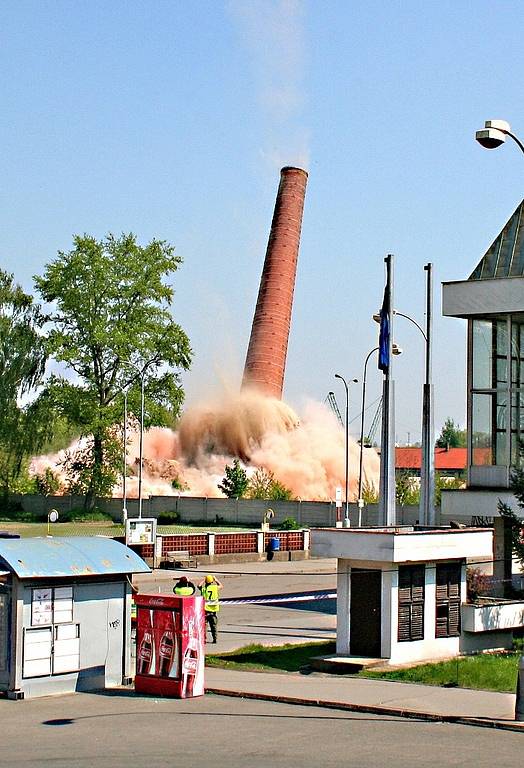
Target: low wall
192	509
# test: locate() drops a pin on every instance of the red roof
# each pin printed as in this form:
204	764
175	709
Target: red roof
445	458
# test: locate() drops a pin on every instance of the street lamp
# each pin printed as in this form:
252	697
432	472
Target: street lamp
354	381
124	468
494	134
427	474
395	350
141	372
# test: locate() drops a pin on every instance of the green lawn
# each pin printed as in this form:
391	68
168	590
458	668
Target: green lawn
261	658
490	672
487	672
104	528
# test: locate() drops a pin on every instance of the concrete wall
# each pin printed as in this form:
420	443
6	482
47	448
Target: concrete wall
238	511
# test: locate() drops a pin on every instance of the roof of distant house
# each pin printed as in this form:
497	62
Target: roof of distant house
445	458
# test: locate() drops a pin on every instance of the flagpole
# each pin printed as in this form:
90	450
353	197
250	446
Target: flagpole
387	511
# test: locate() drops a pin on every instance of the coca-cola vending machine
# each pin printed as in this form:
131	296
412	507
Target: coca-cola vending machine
170	636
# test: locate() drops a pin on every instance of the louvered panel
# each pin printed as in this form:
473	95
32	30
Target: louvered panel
417	594
454	590
454	619
404	595
404	615
418	576
442	592
417	621
441	628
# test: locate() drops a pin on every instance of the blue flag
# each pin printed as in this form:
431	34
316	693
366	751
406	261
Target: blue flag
383	340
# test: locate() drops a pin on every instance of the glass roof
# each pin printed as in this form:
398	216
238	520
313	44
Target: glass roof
505	256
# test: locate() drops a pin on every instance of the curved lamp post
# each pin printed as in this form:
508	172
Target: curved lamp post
395	350
494	134
353	381
141	373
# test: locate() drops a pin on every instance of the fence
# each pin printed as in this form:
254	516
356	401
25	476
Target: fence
243	512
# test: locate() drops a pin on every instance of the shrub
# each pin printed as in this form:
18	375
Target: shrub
168	517
289	524
477	583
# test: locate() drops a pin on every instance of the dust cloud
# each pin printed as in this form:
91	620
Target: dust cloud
306	455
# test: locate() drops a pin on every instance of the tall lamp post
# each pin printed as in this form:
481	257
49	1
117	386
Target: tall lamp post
141	372
124	467
354	381
493	135
395	350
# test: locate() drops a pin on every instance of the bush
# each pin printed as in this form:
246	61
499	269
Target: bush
81	515
14	512
477	582
168	517
289	524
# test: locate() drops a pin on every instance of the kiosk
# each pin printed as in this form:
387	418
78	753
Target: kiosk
65	614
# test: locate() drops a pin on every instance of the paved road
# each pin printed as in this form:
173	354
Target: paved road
271	624
123	731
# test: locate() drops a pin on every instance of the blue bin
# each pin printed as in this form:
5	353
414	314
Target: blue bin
274	544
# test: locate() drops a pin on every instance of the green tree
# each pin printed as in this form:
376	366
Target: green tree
516	522
451	436
235	482
22	362
264	485
407	492
111	326
48	483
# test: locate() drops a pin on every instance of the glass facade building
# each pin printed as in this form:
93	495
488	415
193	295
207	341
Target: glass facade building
492	301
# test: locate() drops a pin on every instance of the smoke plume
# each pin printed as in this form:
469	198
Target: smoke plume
306	455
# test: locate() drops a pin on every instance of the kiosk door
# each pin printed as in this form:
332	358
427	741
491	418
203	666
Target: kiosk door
365	615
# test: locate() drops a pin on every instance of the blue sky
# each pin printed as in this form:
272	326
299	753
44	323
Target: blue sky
172	120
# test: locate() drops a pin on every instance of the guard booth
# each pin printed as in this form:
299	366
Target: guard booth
170	645
65	614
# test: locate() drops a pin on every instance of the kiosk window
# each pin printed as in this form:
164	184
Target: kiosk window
447	621
411	583
51	606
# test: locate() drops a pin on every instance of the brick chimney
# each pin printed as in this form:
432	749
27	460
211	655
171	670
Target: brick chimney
266	355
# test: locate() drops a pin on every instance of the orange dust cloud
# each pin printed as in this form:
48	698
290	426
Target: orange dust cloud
306	455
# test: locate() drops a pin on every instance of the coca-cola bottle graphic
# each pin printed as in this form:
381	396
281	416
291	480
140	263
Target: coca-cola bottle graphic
189	670
166	654
144	657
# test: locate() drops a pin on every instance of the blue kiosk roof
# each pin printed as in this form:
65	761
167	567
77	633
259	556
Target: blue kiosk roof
68	556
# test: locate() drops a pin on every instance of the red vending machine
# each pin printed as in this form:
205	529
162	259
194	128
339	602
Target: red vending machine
170	636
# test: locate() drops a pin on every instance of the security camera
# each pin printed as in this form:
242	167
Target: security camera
493	134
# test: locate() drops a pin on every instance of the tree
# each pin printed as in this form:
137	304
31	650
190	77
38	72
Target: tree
451	436
235	481
515	522
407	492
263	485
111	326
22	362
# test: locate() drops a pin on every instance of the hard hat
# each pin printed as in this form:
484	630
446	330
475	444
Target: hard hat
209	578
182	580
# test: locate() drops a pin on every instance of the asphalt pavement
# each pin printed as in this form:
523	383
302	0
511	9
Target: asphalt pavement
122	730
275	623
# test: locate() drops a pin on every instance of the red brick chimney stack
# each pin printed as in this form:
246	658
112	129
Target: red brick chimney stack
266	355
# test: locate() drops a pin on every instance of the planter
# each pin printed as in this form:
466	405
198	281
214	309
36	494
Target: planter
495	615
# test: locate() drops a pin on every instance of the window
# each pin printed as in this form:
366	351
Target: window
411	582
447	613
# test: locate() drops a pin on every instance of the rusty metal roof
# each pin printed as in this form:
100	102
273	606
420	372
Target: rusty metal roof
68	556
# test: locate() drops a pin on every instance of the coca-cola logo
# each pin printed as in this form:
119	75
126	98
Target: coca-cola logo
157	601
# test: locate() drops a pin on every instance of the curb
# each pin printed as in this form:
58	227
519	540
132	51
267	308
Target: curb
373	709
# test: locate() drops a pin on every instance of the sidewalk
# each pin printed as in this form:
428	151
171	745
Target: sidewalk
480	708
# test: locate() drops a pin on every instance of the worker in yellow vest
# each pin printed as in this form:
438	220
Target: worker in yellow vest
210	588
184	587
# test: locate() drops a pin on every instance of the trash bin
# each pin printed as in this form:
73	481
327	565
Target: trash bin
274	544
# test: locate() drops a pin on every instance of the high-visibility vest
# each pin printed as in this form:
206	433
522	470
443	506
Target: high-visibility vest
210	595
183	591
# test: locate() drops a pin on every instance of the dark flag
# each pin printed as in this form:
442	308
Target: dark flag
383	340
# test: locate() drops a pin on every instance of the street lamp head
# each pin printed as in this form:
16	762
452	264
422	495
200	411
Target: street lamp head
493	134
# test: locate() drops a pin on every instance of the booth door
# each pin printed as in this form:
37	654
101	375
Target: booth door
365	617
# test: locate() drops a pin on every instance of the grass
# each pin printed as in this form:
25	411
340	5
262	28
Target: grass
103	528
261	658
489	672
